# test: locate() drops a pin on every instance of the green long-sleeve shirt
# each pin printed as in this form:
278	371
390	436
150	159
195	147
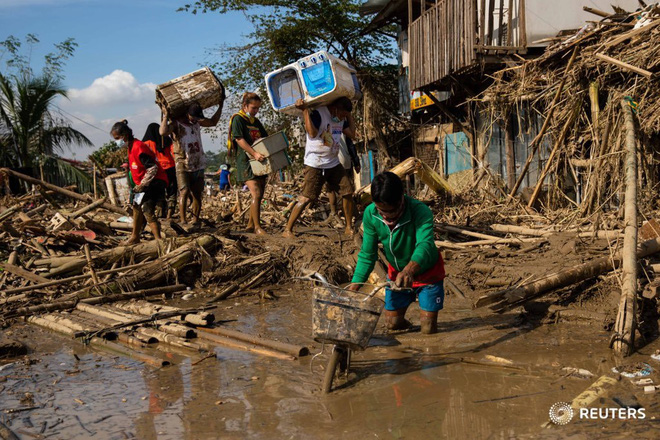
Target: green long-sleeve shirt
411	239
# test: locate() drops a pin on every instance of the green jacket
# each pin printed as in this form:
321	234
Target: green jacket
411	239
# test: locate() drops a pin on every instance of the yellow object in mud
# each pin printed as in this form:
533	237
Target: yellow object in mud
594	392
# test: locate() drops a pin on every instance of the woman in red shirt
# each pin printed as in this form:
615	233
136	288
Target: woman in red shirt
149	178
162	147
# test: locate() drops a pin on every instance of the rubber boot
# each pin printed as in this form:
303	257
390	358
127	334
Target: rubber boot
428	322
395	319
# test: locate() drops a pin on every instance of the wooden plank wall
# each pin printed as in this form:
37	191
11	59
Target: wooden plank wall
442	41
451	34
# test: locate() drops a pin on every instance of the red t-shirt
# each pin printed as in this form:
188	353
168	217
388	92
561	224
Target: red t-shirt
431	276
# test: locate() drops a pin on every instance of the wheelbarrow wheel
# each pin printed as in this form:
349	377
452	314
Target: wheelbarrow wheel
336	358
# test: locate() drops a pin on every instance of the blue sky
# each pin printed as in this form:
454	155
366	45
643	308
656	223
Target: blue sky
126	48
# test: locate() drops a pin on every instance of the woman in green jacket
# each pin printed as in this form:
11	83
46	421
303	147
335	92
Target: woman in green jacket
405	228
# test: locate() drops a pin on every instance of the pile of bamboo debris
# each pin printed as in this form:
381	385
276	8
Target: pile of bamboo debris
54	253
577	85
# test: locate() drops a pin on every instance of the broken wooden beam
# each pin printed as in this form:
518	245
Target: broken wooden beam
64	192
9	212
67	266
160	271
26	274
63	281
645	73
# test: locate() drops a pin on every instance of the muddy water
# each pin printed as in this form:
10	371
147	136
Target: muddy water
403	386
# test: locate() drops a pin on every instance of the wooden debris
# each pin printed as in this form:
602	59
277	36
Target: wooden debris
626	321
61	191
506	299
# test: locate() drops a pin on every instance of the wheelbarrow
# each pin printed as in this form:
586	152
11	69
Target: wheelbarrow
347	320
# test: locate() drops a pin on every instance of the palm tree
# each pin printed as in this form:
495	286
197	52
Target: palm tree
28	128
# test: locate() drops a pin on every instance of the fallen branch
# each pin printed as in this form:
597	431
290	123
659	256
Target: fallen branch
506	299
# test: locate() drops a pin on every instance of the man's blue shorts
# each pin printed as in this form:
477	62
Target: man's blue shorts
431	297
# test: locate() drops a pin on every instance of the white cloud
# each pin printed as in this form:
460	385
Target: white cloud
118	87
109	99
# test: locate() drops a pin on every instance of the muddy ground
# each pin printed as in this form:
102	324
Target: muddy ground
404	385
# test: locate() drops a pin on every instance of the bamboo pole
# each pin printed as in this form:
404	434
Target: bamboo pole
595	106
593	268
468	233
147	308
520	230
626	320
171	339
493	241
86	209
231	343
125	317
70	304
161	271
537	141
510	151
139	252
294	350
596	11
409	166
100	343
92	272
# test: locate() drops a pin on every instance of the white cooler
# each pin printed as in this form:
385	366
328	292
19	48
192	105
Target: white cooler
319	79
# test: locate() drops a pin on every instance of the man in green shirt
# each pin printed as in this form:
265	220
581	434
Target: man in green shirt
405	228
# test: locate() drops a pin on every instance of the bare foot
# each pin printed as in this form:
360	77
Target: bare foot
349	232
331	219
130	241
259	231
288	234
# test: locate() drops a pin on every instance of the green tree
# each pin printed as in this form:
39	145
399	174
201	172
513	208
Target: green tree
286	30
109	156
29	128
214	160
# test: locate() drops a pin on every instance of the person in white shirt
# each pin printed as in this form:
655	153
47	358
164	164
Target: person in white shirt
324	127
